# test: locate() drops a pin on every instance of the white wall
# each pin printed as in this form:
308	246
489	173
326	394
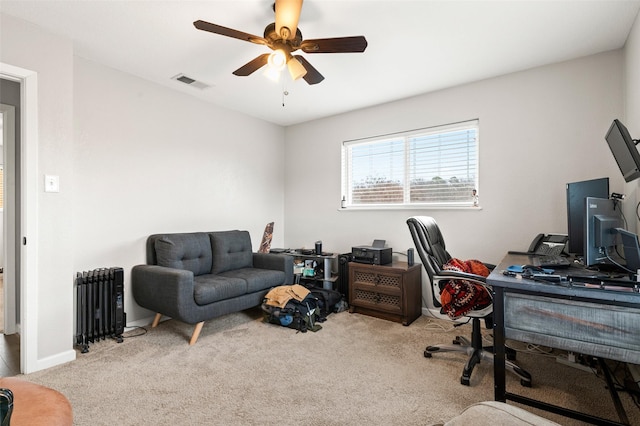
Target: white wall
29	47
632	94
150	160
539	129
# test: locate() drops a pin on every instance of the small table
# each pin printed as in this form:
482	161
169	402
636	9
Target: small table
573	317
327	260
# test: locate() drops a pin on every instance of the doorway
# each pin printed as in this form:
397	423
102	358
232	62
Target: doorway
9	224
9	338
26	214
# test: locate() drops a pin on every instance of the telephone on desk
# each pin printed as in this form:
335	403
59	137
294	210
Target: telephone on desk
548	244
546	251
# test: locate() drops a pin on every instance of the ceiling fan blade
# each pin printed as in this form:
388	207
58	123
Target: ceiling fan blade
229	32
335	45
312	76
252	65
287	15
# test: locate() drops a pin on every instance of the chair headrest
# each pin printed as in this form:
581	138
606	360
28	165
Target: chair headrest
429	241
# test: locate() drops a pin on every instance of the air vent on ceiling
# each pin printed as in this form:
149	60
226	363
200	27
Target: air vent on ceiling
190	81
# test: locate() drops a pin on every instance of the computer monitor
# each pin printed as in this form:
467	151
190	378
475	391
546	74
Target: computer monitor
602	217
577	192
624	150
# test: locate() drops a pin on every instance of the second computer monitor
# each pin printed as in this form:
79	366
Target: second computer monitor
577	192
601	218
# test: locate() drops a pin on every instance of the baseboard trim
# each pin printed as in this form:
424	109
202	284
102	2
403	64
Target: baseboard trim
143	322
54	360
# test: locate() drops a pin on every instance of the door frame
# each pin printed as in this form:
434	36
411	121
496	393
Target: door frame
28	210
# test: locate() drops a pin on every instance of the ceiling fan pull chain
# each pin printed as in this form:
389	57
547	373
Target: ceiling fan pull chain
284	93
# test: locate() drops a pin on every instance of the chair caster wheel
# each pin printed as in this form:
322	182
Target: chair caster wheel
464	381
457	341
525	383
427	354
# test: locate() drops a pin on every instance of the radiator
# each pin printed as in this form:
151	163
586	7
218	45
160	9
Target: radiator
99	306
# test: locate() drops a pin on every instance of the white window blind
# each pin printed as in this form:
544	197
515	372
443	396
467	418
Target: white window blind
436	166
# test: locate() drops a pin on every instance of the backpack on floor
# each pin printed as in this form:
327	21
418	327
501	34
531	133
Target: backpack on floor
328	300
300	315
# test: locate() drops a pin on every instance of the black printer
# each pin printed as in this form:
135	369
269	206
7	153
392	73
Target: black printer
375	254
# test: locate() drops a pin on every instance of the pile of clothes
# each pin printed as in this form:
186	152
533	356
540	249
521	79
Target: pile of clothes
461	296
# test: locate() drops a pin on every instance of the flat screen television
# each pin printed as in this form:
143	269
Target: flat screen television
624	150
577	192
601	218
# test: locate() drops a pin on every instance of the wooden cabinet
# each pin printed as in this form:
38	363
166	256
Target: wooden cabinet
392	292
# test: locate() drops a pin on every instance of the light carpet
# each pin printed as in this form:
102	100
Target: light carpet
356	370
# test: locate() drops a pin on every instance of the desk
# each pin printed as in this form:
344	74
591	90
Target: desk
601	323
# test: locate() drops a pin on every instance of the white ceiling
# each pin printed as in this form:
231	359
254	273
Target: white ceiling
414	46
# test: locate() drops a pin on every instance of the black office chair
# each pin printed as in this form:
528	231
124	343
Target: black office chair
433	253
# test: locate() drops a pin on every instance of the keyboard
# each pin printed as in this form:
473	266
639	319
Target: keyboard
550	261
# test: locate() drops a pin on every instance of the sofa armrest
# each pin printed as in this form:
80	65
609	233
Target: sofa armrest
163	290
279	262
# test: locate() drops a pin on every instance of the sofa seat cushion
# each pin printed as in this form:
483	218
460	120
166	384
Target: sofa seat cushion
190	252
231	250
257	279
213	288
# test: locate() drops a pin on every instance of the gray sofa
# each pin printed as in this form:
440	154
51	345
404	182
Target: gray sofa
195	277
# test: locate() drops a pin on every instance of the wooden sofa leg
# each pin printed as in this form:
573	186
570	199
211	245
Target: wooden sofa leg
196	333
156	320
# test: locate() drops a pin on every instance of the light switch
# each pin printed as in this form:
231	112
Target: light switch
51	183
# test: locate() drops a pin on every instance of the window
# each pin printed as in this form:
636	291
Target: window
1	186
435	167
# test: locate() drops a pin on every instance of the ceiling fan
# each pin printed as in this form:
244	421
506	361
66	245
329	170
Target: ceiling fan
284	37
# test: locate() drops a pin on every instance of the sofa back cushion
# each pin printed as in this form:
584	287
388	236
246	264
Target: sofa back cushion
190	251
231	250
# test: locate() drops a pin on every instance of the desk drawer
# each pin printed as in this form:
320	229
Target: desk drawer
596	329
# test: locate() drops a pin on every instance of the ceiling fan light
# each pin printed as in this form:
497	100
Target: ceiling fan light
277	59
272	74
287	15
296	69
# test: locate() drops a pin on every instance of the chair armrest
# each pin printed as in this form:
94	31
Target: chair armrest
161	289
446	274
278	262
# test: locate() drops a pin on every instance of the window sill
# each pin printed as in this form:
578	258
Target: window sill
417	207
